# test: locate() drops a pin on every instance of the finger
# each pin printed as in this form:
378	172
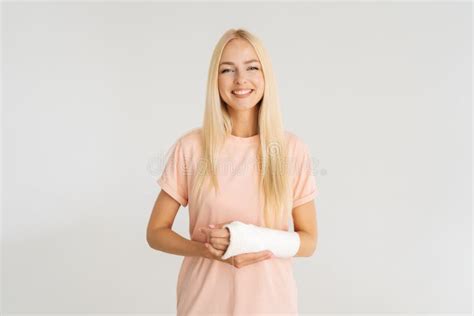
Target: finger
219	240
219	243
222	224
206	231
255	255
229	261
203	230
259	259
219	247
213	250
219	232
252	257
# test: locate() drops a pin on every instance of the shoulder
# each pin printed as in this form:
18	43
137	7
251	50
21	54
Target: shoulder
190	140
295	143
190	136
298	150
300	159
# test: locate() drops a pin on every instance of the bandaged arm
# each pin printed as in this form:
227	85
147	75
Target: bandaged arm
246	238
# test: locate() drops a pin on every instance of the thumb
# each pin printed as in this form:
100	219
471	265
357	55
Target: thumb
221	225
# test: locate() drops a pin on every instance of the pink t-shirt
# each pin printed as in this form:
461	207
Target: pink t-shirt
207	286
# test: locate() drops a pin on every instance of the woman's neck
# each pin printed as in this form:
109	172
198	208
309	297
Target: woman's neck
245	122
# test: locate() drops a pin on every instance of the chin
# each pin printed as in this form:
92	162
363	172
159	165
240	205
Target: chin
244	105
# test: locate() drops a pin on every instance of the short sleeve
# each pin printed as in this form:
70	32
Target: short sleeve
174	177
304	182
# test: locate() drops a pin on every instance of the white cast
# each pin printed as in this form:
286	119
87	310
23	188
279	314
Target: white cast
246	238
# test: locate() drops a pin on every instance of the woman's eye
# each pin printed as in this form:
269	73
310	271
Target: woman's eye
225	70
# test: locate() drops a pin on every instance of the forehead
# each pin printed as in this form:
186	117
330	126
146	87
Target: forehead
237	51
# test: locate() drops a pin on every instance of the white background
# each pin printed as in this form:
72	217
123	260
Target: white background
94	94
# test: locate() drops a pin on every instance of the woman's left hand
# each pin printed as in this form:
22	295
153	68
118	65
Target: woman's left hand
217	237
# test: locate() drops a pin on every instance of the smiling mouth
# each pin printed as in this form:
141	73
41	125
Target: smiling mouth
242	95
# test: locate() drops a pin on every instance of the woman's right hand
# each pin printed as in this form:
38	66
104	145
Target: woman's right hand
237	261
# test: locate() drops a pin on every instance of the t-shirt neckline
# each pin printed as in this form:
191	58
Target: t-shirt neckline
244	140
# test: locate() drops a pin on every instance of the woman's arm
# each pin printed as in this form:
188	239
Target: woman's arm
161	237
306	225
246	238
166	240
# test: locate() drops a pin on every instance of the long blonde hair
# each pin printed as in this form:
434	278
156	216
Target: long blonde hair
272	151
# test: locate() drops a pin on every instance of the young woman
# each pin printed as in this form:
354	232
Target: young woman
243	177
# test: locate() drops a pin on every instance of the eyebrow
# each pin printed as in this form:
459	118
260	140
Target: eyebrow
231	63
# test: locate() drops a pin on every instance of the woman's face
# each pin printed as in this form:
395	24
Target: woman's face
240	71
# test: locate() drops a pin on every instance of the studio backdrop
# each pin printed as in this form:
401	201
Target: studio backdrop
95	94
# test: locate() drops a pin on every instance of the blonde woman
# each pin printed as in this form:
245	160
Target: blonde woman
242	176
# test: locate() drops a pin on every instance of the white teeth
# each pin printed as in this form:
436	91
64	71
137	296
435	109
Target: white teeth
241	91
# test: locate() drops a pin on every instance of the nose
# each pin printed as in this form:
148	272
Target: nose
240	78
